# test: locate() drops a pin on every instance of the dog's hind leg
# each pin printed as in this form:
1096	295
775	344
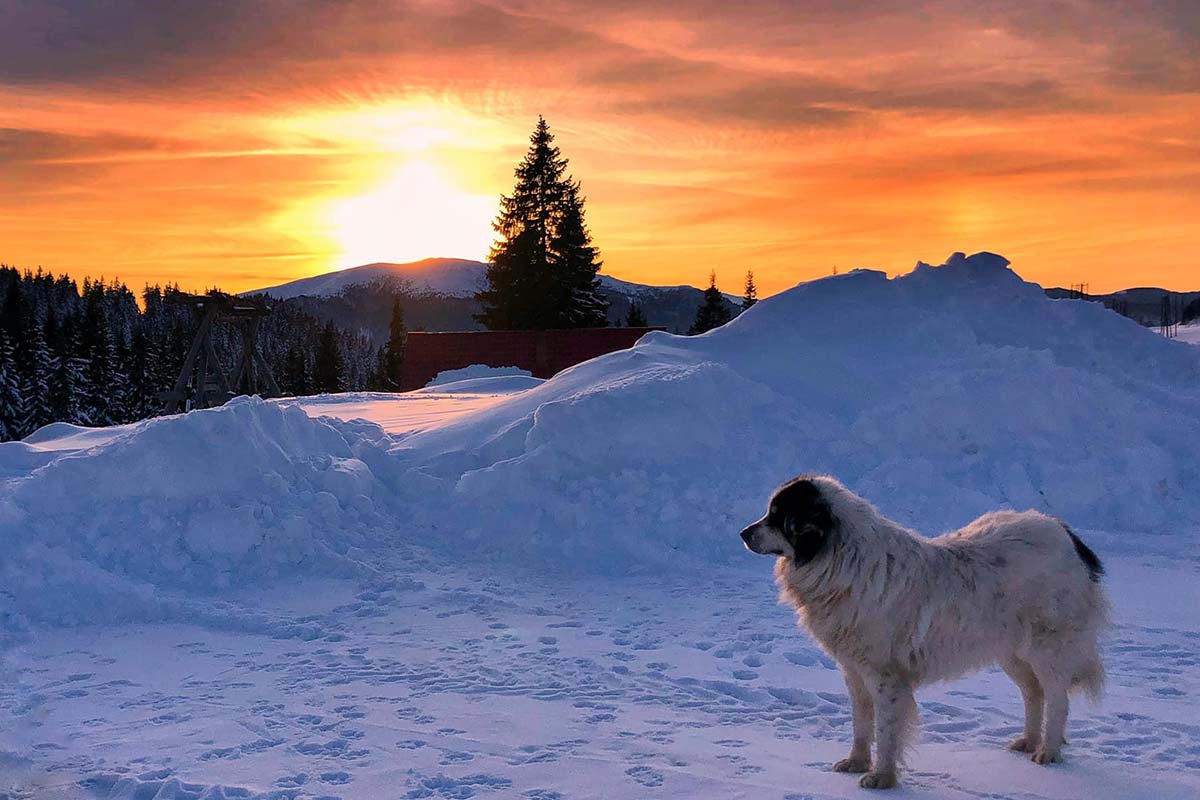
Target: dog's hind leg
863	707
1031	692
1055	687
895	718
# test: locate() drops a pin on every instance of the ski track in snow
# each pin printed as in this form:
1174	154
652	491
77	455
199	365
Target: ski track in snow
429	685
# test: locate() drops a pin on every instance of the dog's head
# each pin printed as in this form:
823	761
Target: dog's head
798	524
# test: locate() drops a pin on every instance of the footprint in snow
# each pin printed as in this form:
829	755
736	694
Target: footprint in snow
645	776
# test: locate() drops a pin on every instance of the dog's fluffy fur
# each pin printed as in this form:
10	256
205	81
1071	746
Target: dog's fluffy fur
897	610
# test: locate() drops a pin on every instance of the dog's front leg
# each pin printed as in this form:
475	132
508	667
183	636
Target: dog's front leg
862	705
895	714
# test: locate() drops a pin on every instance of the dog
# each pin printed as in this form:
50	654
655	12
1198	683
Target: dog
897	610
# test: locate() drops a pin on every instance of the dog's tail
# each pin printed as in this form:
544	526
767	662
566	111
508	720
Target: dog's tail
1090	679
1090	560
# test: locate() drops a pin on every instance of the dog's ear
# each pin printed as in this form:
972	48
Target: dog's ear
808	520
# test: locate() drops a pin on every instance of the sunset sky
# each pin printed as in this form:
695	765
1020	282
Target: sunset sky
243	144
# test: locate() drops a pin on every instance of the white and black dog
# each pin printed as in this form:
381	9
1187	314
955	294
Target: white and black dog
897	610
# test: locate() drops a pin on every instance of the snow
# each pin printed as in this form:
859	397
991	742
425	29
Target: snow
1189	333
476	371
513	588
450	277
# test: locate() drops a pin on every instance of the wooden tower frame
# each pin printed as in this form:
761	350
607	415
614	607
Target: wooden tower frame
202	382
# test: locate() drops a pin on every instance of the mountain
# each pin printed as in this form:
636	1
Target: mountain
438	294
449	277
1143	304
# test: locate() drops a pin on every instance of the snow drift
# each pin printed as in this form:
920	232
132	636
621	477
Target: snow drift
940	394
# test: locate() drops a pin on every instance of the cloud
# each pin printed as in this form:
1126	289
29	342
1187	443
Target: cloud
699	121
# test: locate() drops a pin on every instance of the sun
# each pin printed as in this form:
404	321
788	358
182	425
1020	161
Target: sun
417	213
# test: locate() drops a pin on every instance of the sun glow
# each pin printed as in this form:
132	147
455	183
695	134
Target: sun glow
418	213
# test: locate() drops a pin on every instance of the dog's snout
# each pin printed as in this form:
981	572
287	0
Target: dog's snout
748	533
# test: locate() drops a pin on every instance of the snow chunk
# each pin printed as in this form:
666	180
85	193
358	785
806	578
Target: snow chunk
475	371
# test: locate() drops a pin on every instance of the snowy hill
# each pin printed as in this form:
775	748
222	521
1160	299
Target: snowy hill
450	277
326	585
439	294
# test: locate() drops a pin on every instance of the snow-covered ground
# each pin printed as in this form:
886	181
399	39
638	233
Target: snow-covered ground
487	590
1189	333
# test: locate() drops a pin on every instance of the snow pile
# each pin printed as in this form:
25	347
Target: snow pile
1189	333
939	395
475	371
220	498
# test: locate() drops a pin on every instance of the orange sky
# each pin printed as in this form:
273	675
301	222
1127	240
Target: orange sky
245	144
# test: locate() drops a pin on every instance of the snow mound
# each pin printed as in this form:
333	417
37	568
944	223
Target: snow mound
475	371
1189	334
940	394
499	384
193	503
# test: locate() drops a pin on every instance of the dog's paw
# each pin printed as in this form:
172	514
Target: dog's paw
853	764
1043	756
1022	745
878	780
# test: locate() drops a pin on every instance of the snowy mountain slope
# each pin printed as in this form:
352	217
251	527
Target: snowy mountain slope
438	294
451	277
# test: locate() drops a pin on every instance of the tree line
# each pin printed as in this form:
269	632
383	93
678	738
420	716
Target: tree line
92	356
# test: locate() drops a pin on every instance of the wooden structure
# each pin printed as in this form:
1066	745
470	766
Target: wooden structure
202	382
543	353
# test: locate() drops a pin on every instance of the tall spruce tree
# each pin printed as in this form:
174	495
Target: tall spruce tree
36	386
636	317
543	265
12	400
392	355
713	311
295	378
750	297
328	368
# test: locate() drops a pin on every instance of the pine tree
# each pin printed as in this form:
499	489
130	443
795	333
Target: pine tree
295	378
12	401
392	355
573	266
543	266
713	312
36	386
636	317
751	295
328	368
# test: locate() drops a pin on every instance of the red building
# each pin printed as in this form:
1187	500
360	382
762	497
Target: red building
543	353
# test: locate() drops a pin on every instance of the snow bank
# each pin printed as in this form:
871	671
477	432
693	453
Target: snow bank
475	371
496	384
1189	334
939	394
197	503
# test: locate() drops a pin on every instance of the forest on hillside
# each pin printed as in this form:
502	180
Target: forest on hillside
93	356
